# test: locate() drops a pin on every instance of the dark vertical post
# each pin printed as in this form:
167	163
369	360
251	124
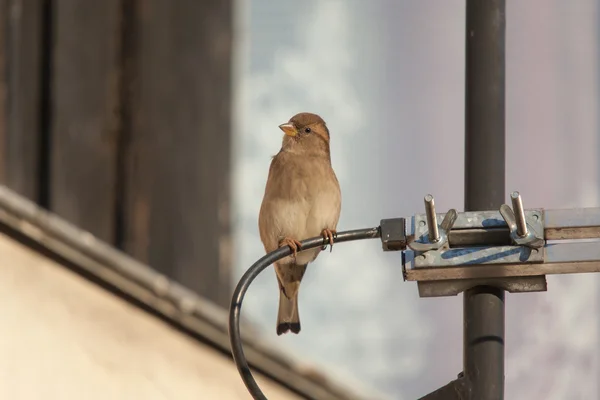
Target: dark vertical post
597	149
85	121
3	85
484	187
176	215
20	88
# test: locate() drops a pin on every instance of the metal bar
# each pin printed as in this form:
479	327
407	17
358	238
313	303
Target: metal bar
579	223
452	287
559	258
572	253
483	306
468	256
488	228
554	219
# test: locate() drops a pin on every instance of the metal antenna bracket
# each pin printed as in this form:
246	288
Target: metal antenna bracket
455	254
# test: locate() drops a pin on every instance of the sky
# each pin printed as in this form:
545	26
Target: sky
388	77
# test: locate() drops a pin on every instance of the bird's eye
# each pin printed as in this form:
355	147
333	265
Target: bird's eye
307	130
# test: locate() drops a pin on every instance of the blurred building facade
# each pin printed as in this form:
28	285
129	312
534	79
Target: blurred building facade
116	115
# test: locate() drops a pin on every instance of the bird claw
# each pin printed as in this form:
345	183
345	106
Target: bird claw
328	235
293	244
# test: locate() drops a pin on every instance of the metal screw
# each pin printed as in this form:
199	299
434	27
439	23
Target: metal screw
433	232
517	204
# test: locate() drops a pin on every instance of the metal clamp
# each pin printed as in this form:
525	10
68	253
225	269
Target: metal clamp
393	234
467	247
521	233
437	236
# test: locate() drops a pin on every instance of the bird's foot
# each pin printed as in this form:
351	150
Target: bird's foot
328	235
293	244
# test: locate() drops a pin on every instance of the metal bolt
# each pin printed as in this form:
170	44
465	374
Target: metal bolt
517	204
433	232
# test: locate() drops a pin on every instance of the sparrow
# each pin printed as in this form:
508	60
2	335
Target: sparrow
302	200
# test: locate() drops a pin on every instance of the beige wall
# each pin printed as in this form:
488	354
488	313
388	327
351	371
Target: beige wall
62	337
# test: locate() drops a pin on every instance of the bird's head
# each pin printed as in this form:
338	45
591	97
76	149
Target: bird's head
305	133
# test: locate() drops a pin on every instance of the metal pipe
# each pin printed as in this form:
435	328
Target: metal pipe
517	205
483	306
433	232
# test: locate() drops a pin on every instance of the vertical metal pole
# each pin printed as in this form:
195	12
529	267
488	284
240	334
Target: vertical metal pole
484	187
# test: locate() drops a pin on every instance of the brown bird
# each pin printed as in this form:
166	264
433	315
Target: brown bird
302	200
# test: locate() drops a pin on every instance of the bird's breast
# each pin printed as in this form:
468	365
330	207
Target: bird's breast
301	199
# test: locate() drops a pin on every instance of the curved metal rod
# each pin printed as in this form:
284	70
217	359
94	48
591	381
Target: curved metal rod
250	275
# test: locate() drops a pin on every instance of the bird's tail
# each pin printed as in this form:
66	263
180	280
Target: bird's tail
287	317
289	277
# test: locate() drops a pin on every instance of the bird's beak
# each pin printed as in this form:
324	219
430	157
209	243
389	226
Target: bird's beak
289	129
